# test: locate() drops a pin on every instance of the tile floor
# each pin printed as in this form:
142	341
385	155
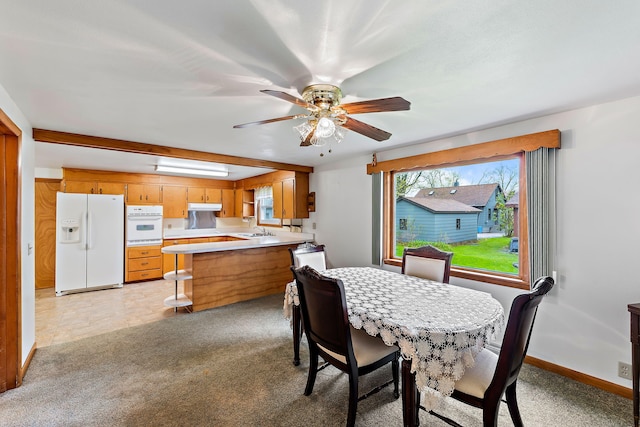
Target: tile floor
80	315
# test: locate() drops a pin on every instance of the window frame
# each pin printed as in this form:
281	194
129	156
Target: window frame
275	222
482	152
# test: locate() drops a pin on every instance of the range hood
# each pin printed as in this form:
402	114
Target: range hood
204	207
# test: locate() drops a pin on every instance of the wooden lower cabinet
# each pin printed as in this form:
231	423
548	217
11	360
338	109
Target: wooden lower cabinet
143	263
223	277
169	260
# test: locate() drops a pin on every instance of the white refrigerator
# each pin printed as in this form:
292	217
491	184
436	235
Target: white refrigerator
89	242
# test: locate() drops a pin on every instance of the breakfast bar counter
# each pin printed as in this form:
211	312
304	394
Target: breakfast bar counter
228	272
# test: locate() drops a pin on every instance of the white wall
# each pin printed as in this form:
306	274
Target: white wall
27	222
583	324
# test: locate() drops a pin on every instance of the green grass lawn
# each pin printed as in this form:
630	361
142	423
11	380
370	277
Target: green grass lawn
487	254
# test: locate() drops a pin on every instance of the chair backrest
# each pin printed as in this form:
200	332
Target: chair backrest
427	262
307	254
324	311
517	335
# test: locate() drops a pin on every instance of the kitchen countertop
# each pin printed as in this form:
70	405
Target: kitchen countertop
281	238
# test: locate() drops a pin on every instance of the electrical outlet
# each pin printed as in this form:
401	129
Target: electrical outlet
624	370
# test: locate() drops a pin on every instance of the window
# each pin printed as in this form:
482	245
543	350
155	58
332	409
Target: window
403	224
264	200
449	168
449	204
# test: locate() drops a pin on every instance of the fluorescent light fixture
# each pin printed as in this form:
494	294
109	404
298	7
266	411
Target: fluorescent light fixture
189	171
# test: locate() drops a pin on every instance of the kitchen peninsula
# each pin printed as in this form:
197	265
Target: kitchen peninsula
243	268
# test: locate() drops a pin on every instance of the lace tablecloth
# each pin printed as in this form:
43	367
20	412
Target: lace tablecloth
440	327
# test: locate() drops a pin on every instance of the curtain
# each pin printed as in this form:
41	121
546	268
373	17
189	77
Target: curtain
541	204
376	219
263	192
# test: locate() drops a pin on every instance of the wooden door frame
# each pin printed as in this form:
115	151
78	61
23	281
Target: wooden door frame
10	261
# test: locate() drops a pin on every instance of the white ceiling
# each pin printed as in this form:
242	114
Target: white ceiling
182	73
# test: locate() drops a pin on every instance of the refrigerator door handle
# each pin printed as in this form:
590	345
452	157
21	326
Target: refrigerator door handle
88	245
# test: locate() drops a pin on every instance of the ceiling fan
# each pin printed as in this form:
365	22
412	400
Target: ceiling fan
325	115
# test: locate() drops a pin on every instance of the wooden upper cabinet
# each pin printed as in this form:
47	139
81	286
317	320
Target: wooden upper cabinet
174	201
228	203
196	195
290	197
83	187
205	195
111	188
92	187
214	195
277	199
144	194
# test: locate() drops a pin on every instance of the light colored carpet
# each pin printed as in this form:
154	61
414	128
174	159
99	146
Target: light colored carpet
231	366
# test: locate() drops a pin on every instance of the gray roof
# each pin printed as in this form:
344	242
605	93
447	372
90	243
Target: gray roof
472	195
440	205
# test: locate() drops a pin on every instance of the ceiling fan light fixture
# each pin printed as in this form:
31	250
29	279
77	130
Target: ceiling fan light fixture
325	128
303	129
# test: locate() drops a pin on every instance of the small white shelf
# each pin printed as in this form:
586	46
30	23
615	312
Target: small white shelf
176	301
178	275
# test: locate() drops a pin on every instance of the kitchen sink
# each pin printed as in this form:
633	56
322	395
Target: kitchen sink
255	234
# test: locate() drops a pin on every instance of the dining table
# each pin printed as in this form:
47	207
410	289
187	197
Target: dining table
439	327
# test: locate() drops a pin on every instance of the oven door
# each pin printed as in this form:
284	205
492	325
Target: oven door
144	228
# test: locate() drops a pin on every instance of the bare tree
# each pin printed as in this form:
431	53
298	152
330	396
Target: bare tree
505	176
405	182
436	178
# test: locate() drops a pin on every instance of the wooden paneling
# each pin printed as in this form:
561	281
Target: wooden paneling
11	370
221	278
45	243
470	153
44	135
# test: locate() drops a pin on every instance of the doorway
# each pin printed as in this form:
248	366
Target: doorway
10	289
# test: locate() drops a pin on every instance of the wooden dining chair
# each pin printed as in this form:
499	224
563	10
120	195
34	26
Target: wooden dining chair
315	257
309	254
493	376
427	262
329	334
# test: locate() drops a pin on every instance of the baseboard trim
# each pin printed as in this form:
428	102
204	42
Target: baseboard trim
580	377
27	362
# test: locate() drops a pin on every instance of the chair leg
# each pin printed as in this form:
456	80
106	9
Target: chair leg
353	397
395	365
313	369
512	404
490	408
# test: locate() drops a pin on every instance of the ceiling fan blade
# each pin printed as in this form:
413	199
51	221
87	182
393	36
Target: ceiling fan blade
377	105
261	122
366	130
290	98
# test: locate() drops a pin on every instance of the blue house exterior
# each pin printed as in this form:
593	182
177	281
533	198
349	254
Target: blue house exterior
481	196
435	220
